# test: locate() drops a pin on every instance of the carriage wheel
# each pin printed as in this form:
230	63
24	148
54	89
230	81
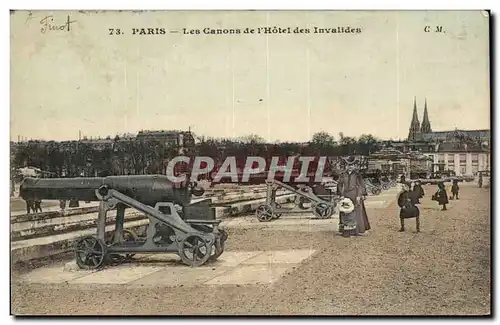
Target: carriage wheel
264	213
194	250
376	191
323	211
277	215
90	252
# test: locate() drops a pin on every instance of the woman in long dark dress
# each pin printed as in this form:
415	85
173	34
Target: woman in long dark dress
419	191
350	184
407	201
441	196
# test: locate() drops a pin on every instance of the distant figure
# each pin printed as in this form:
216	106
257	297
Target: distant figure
403	179
30	206
407	202
62	205
38	205
454	190
441	196
419	191
480	181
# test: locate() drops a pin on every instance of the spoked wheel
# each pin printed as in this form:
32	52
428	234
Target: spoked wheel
277	215
323	211
218	247
264	213
128	236
194	250
90	253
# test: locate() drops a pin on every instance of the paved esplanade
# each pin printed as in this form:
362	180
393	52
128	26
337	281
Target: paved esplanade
297	265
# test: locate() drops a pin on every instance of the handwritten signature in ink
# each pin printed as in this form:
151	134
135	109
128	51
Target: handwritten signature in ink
48	25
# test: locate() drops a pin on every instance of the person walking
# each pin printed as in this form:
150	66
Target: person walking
454	190
441	196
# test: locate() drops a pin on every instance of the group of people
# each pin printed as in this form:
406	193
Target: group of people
354	221
409	198
34	205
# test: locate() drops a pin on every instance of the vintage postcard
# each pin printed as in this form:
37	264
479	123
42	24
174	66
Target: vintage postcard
250	163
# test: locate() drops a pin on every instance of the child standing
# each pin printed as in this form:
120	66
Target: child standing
454	190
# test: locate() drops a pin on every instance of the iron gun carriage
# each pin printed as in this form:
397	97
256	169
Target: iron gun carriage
322	202
176	225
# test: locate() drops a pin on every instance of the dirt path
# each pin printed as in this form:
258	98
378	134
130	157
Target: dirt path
444	270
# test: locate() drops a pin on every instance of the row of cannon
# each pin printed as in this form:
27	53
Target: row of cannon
176	223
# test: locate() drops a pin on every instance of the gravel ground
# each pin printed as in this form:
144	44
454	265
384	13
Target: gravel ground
444	270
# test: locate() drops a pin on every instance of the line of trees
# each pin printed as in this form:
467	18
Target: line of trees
134	156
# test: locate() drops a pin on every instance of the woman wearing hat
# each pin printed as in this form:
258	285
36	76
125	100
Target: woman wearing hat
350	185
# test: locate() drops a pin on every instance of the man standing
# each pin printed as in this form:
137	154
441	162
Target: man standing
350	185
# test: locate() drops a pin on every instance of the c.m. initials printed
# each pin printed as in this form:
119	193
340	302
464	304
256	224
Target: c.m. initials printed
436	29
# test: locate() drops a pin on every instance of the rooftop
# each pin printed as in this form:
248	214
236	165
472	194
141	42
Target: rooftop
456	134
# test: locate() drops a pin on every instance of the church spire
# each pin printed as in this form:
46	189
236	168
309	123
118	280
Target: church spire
426	124
415	124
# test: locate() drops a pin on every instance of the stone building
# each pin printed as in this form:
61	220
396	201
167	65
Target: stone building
464	152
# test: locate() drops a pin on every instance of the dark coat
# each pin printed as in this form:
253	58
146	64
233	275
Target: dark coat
455	188
419	190
351	185
441	196
406	201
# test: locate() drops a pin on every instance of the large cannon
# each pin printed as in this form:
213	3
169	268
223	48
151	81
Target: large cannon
175	224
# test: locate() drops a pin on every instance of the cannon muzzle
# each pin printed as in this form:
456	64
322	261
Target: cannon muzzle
148	189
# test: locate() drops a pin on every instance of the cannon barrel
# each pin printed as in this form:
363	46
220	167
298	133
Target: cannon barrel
147	189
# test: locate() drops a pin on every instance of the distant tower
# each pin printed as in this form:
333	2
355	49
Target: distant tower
414	131
426	124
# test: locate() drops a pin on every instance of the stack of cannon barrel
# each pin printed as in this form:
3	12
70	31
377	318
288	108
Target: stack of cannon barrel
53	232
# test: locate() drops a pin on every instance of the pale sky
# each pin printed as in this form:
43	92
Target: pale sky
281	87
